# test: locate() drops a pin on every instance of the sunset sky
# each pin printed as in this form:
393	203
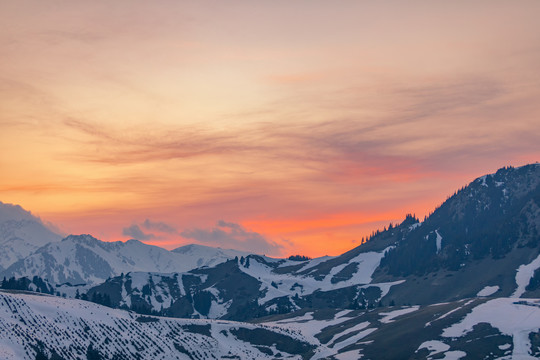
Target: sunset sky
277	127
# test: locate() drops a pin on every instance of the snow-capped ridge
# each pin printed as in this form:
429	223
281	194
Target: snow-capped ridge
201	249
85	259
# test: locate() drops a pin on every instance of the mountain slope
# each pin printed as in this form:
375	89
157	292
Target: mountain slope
476	328
477	238
490	217
21	233
85	259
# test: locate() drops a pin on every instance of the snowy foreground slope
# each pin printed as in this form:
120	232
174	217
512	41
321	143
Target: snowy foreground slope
68	328
500	328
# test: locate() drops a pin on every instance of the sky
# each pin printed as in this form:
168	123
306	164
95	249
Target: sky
276	127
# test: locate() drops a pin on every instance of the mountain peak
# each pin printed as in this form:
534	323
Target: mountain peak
86	239
133	242
21	233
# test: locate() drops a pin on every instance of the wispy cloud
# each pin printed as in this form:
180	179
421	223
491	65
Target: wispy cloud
412	124
232	235
135	232
136	146
159	226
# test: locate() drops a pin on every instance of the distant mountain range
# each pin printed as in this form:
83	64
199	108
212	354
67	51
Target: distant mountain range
83	259
462	282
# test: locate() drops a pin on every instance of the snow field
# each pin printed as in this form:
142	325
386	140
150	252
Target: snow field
516	320
292	284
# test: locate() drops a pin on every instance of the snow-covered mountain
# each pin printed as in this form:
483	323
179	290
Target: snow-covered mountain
85	259
254	286
21	233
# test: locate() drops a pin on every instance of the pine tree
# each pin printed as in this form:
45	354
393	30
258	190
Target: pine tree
40	355
92	354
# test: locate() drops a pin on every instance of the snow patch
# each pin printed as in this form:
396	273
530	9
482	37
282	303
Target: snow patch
314	262
349	355
438	241
488	291
357	327
309	328
384	287
448	313
414	226
482	180
390	316
523	276
434	347
454	355
219	307
353	339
